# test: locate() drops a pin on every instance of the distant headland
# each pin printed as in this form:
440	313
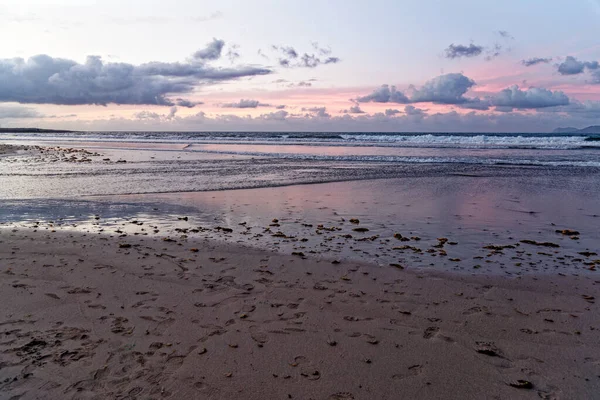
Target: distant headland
589	129
32	130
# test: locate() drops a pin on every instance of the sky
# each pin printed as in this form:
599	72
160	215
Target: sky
273	65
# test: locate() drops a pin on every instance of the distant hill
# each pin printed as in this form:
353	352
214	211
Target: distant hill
31	130
589	129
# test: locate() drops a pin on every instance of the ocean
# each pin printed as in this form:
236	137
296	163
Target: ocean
468	148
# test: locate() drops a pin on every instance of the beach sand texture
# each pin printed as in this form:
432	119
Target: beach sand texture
95	317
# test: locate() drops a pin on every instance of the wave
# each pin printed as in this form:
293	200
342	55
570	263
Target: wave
413	159
429	140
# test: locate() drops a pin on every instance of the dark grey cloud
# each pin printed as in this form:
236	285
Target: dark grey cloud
476	103
572	66
287	51
535	61
245	103
457	51
391	111
355	109
451	89
385	94
44	79
290	58
532	98
412	110
212	51
444	89
280	107
187	103
18	112
585	109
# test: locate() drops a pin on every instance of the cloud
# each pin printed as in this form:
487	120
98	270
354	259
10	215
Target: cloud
572	66
513	97
212	16
274	116
451	89
476	103
444	89
287	51
412	110
391	111
245	103
280	107
575	114
46	80
146	115
187	103
212	51
324	51
18	112
586	109
320	112
494	52
506	35
290	58
233	53
385	94
172	112
535	61
457	51
263	55
355	109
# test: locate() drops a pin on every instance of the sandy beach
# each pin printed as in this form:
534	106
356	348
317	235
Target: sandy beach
480	284
88	316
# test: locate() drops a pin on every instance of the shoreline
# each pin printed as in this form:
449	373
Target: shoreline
89	316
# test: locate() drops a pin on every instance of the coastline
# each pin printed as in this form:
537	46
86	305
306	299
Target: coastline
94	316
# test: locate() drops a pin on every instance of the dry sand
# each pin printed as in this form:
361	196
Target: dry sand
97	317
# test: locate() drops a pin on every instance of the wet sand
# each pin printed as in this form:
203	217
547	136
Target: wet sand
94	316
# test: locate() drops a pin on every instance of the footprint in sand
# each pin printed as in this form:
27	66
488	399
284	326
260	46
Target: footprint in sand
430	332
258	335
413	370
341	396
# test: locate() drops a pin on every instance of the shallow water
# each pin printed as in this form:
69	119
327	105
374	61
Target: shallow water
471	203
471	211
